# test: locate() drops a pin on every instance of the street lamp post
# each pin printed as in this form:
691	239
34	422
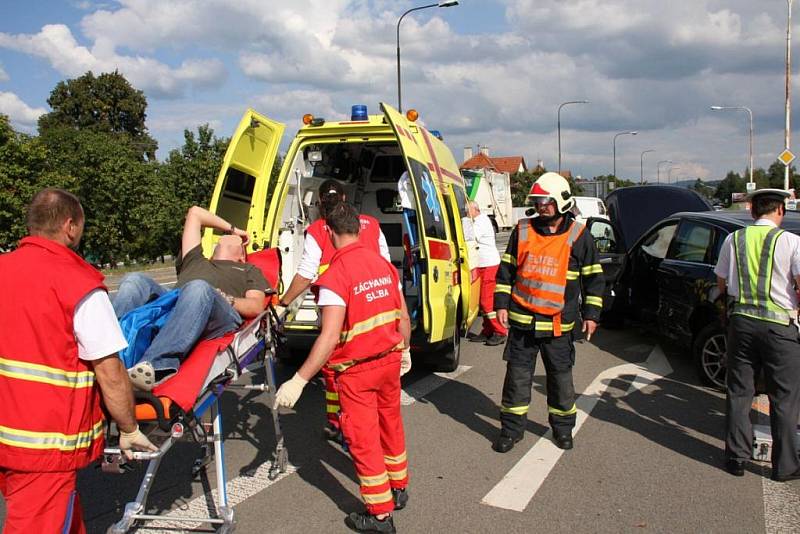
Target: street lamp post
559	126
658	168
750	113
438	4
614	144
669	173
641	166
788	105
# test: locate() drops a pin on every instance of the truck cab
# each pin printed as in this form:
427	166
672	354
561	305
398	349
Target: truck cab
367	154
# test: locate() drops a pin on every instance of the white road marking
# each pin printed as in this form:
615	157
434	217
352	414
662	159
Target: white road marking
412	393
239	489
521	483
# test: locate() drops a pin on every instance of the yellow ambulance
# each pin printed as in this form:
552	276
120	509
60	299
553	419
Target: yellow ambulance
368	154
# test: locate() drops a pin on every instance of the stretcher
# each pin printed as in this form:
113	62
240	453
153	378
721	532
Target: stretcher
187	406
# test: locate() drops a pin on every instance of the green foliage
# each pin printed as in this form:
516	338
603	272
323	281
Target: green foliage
521	183
106	103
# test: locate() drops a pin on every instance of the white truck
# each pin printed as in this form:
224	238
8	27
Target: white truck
492	191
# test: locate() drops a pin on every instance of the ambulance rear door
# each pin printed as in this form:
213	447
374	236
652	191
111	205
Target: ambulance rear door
440	300
240	194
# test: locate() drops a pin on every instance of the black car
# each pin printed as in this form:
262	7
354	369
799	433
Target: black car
666	281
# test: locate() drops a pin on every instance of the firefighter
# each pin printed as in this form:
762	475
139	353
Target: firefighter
364	340
549	259
317	253
759	267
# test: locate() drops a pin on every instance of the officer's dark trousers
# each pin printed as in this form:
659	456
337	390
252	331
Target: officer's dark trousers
558	355
754	345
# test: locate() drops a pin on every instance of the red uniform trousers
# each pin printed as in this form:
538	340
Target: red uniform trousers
369	394
331	397
41	502
488	282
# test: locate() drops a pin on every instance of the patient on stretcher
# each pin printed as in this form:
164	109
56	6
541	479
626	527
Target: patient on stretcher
215	296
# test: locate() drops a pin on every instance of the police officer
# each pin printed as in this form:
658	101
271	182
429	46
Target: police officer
759	267
548	260
364	339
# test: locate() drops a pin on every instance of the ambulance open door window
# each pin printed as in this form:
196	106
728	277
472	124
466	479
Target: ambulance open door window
237	194
433	216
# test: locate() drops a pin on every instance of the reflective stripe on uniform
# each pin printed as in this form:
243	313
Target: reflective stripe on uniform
395	460
377	498
563	413
27	439
508	258
376	480
547	326
490	315
331	395
755	299
573	275
44	374
520	318
516	410
332	408
574	232
540	284
502	288
398	475
369	324
594	301
535	301
587	270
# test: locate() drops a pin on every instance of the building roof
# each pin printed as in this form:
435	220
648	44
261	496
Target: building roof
509	164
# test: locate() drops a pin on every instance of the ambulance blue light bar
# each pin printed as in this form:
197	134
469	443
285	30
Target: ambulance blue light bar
437	134
359	113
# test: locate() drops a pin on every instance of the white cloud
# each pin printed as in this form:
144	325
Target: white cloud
20	113
3	74
56	44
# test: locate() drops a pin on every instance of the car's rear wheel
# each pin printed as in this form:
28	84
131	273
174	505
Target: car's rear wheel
448	357
710	348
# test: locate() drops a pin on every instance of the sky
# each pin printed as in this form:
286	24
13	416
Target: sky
486	72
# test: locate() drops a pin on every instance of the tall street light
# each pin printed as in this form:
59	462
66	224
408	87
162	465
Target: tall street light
641	166
788	105
658	168
750	113
614	143
559	126
669	173
438	4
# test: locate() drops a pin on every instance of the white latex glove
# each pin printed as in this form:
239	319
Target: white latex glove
405	361
130	441
289	392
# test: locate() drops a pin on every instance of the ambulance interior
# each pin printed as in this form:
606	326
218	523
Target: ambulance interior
369	172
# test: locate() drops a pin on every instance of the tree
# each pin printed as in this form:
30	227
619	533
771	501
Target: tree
732	183
521	183
106	103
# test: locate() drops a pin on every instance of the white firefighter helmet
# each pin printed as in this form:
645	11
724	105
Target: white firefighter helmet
553	185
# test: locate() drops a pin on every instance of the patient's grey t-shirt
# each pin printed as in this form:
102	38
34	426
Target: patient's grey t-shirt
232	277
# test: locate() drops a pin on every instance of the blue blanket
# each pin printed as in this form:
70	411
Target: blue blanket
140	326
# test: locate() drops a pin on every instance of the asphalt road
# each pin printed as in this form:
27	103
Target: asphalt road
646	459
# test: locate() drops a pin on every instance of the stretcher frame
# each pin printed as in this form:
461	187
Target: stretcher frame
252	348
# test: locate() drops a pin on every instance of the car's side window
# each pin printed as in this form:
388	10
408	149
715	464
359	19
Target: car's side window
691	243
657	243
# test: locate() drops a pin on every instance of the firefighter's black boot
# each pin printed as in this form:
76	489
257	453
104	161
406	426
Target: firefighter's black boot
364	522
505	443
563	440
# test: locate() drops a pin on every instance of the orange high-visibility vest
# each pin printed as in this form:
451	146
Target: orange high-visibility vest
369	286
542	262
50	417
369	234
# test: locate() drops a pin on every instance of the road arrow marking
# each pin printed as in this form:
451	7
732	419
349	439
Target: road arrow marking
521	483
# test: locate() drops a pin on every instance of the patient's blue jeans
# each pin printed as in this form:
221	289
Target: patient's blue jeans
200	313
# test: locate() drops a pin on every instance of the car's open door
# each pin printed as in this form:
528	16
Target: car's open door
612	255
436	248
240	194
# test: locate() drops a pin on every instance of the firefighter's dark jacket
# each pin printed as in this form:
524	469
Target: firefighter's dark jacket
583	272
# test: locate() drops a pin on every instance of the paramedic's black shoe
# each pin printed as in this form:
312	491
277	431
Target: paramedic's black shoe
400	497
364	522
734	467
332	433
477	338
505	443
563	441
786	478
495	340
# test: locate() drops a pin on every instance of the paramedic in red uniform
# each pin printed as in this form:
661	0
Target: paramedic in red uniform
58	343
317	253
365	333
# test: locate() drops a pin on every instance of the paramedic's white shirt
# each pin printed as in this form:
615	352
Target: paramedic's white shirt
785	266
483	232
406	191
312	256
96	327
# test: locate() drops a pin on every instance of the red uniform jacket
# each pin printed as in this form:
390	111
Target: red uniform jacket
369	234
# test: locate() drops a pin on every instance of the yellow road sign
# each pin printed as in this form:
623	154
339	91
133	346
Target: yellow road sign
786	157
